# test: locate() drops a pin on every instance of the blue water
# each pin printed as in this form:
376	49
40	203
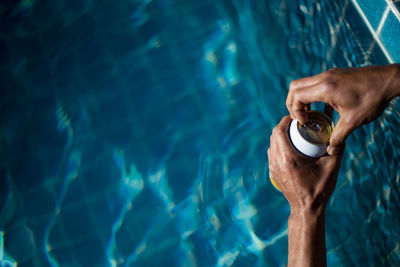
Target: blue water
134	133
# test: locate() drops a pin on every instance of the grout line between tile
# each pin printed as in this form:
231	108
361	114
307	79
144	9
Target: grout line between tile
336	31
378	32
383	20
394	9
370	28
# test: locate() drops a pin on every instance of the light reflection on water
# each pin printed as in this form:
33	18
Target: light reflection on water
135	134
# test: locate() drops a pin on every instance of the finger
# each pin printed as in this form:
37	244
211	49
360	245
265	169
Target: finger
280	138
269	161
269	155
333	159
331	164
283	124
274	146
307	81
299	111
339	135
299	85
301	100
272	178
289	103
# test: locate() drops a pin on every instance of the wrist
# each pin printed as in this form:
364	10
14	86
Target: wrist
306	215
311	205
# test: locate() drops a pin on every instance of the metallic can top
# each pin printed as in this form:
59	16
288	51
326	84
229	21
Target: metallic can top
317	129
312	138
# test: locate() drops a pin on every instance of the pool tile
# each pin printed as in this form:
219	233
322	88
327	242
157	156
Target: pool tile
373	10
389	37
75	229
90	253
397	4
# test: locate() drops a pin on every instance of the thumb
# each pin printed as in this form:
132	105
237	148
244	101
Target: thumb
338	137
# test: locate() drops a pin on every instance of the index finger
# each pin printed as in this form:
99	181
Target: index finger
296	106
300	98
307	81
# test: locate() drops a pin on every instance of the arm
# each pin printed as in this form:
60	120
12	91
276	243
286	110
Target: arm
307	184
359	95
394	88
306	231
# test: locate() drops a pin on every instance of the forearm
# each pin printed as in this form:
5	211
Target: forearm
306	230
392	80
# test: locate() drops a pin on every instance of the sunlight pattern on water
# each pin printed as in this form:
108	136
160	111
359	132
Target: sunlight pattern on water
135	134
5	260
131	185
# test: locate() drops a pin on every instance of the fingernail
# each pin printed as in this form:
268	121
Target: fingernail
333	150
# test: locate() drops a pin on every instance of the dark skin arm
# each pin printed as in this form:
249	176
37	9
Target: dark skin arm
359	95
307	184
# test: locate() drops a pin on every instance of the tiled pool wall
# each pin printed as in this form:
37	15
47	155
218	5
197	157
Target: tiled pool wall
382	17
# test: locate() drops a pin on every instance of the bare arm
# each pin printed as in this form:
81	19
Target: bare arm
307	184
306	230
394	88
359	95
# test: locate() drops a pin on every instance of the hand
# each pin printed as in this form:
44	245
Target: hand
360	95
305	182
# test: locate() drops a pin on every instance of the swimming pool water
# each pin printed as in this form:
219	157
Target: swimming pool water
134	133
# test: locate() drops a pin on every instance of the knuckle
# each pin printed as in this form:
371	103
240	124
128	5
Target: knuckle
293	85
272	166
278	130
288	161
288	102
329	86
275	131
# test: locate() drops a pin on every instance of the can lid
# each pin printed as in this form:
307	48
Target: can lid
317	129
312	138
